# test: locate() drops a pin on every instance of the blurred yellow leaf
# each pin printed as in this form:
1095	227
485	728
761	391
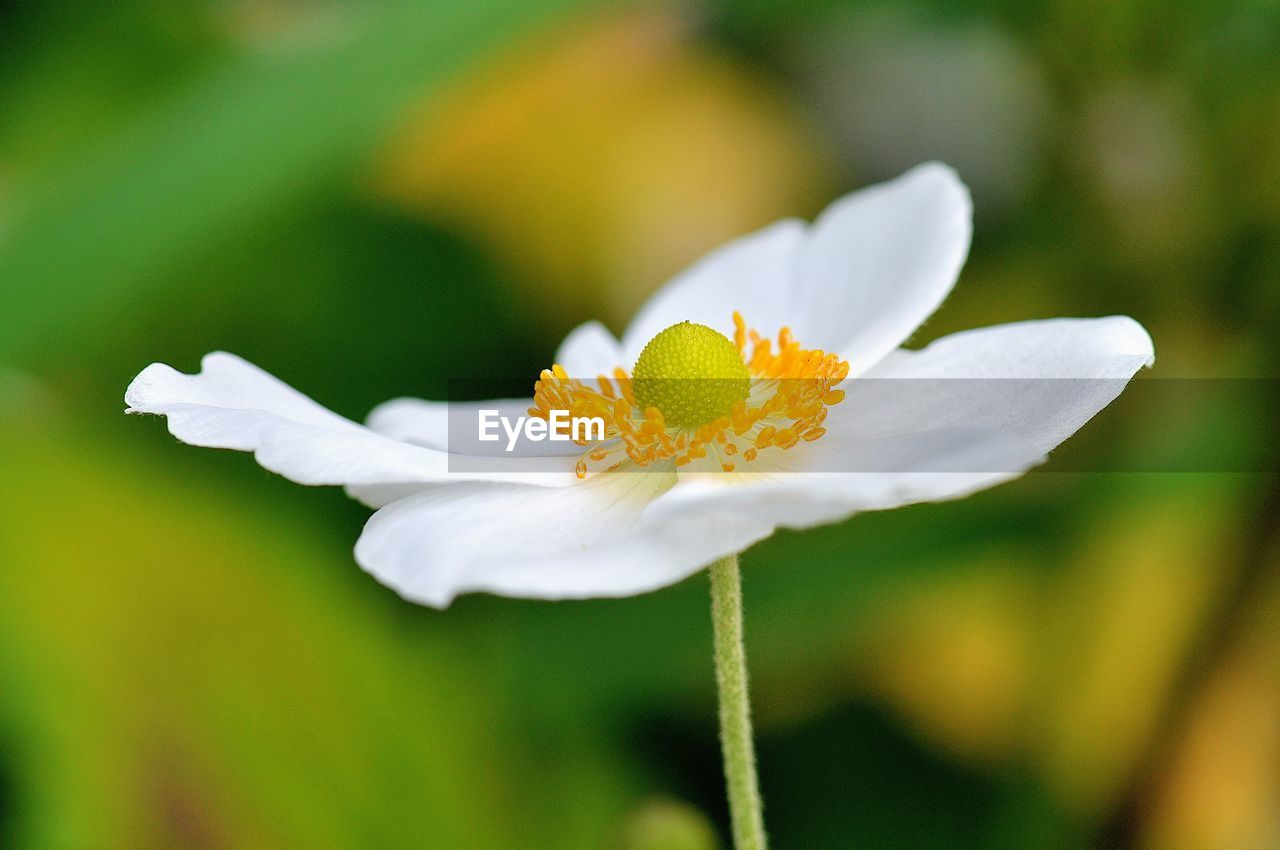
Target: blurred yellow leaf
183	668
1117	623
606	159
666	825
953	653
1223	787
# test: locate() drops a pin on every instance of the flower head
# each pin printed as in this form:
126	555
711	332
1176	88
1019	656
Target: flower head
696	396
714	433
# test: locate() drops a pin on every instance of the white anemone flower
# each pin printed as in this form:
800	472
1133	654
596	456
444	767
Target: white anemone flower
828	427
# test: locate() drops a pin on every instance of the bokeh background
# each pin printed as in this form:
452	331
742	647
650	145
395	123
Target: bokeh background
372	198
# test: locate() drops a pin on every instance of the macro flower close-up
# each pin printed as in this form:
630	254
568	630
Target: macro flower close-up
831	419
700	426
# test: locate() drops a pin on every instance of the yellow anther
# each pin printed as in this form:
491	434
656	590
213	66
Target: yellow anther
787	403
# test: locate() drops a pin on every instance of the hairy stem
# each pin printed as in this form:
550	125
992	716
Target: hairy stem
735	708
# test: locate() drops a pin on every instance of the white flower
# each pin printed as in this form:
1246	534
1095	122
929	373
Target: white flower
857	282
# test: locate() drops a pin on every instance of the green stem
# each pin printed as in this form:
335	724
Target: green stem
735	708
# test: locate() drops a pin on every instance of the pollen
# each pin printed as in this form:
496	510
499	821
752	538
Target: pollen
692	373
700	401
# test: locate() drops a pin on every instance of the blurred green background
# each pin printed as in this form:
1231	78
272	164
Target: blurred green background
371	198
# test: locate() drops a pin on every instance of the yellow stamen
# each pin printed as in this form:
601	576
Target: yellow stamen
791	389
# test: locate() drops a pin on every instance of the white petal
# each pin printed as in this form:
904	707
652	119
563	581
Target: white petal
813	484
752	275
1041	381
380	495
968	412
568	543
590	350
426	423
868	272
232	404
877	263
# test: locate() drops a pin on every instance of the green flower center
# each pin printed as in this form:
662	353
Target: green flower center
691	373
